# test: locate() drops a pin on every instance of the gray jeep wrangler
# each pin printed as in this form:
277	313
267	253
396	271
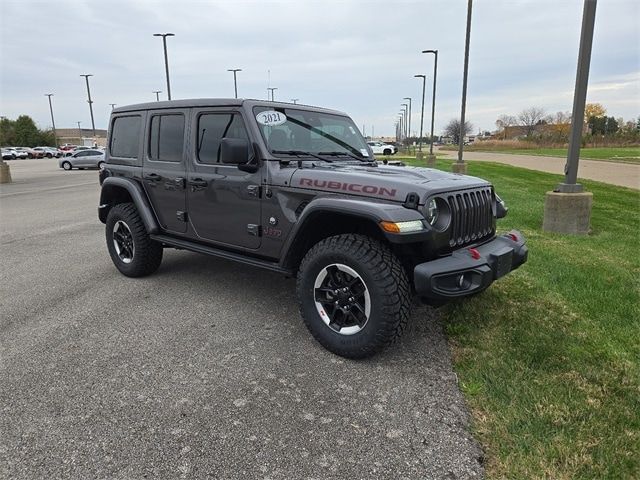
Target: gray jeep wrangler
296	189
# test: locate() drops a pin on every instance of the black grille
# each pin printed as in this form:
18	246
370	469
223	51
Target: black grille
472	217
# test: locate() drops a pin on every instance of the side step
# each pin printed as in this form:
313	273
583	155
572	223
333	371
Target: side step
216	252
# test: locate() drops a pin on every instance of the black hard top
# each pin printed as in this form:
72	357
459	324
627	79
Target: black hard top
218	102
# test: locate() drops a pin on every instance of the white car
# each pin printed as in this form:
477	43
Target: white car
89	158
382	148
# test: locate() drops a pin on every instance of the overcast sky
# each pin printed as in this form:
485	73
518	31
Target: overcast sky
354	56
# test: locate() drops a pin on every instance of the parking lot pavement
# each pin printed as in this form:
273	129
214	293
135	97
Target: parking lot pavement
204	369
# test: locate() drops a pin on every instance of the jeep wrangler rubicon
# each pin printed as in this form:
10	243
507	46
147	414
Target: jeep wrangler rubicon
296	190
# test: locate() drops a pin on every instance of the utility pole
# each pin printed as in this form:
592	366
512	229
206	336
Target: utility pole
157	92
166	58
93	125
460	166
53	122
235	83
272	89
79	132
432	158
568	208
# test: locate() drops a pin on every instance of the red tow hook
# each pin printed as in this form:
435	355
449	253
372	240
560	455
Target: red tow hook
475	254
513	236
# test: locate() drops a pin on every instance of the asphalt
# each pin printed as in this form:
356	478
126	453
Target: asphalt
203	370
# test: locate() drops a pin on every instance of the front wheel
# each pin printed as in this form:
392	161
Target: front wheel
132	250
386	151
66	165
354	295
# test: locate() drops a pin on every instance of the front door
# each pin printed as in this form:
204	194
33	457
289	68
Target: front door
164	169
224	202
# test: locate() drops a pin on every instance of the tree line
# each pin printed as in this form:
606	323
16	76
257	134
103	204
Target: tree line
23	132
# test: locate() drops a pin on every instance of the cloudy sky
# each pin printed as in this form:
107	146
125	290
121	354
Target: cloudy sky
355	56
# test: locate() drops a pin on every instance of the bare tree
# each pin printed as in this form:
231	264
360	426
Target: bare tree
561	117
531	117
453	129
505	121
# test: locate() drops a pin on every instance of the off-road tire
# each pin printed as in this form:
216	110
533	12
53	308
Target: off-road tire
67	166
147	254
387	151
384	277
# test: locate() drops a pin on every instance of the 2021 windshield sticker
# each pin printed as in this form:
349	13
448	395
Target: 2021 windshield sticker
271	118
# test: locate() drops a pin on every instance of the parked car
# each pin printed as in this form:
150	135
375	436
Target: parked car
48	152
88	158
80	148
8	154
381	148
29	152
18	153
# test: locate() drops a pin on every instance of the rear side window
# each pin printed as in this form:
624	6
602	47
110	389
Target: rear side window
166	140
212	128
125	136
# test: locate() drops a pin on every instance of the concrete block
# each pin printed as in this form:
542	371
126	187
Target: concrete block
459	168
419	156
5	173
431	161
567	212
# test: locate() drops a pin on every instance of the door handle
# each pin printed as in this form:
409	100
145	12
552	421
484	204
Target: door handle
154	177
198	182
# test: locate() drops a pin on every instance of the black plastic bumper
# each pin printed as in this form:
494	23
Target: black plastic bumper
470	270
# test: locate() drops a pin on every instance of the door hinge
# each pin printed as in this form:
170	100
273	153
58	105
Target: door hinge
182	216
254	191
254	230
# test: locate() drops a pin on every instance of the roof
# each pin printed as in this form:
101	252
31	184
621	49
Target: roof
218	102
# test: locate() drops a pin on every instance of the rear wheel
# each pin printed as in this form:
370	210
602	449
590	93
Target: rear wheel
101	165
49	155
386	151
354	295
132	250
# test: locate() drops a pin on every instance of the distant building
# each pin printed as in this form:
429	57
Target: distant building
83	136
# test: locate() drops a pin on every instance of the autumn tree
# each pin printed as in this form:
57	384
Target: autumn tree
453	129
595	110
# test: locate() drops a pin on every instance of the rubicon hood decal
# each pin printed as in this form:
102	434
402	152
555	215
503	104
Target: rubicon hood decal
347	187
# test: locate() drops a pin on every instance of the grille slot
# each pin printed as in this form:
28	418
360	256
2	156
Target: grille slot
472	217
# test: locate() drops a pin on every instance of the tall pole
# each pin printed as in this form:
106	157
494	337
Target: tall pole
113	105
166	58
53	122
235	82
405	108
464	84
424	81
93	125
579	98
433	98
409	127
272	89
79	131
157	92
295	100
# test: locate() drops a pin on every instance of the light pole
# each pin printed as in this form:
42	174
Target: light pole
419	156
93	125
406	123
79	132
295	100
53	122
235	83
409	125
460	166
166	59
272	89
432	158
157	92
113	105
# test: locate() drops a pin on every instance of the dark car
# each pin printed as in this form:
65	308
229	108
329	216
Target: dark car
296	190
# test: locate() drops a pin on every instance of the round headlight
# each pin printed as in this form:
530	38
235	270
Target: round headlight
431	213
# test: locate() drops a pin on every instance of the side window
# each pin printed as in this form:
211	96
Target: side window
125	136
212	128
166	140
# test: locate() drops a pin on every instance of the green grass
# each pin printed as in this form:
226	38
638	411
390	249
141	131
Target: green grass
549	357
609	154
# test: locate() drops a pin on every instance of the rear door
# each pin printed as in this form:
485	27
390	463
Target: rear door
164	167
224	202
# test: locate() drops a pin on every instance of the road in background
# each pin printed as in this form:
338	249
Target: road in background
621	174
203	369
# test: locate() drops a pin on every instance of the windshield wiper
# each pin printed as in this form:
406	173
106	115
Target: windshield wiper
338	154
300	153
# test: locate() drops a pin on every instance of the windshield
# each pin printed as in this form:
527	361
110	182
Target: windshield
293	130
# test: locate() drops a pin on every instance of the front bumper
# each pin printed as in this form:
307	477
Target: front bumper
470	270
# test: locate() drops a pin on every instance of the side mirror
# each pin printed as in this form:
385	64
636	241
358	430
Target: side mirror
234	151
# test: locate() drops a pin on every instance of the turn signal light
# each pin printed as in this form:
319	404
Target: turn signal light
402	227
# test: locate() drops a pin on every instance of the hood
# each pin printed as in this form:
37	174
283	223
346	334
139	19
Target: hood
388	183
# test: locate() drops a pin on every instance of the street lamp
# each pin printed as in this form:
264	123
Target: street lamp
433	100
424	81
166	60
406	123
53	122
459	166
93	125
295	100
113	105
235	83
409	125
157	92
272	89
79	132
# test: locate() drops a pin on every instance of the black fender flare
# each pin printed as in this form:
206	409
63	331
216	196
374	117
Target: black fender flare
137	195
367	209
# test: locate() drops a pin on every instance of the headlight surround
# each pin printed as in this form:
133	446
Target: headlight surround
437	213
431	212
